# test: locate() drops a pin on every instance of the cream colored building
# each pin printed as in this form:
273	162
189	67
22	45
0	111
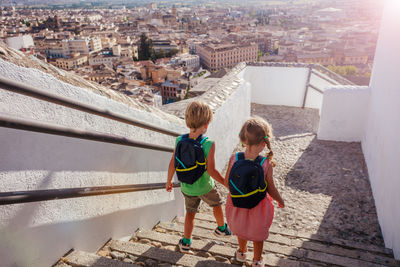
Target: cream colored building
83	46
101	59
71	63
215	57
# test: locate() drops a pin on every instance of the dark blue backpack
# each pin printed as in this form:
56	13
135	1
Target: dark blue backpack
246	182
190	161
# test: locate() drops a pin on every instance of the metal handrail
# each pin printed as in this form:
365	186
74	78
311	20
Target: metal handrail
306	87
24	89
328	79
316	88
340	77
41	127
48	128
18	197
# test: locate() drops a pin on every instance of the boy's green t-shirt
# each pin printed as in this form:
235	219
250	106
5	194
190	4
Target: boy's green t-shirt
205	183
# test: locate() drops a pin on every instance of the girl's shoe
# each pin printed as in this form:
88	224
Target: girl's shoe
240	256
259	263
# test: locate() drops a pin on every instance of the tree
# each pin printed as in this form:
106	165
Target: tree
172	52
344	70
145	49
161	53
351	70
76	30
259	55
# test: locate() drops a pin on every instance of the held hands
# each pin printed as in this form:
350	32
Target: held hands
168	186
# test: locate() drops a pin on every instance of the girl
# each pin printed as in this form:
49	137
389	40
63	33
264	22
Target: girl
253	224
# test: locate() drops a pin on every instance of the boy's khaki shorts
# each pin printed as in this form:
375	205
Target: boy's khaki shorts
212	198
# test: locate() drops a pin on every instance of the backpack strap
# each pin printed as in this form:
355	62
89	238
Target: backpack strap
184	136
183	165
260	160
239	156
201	140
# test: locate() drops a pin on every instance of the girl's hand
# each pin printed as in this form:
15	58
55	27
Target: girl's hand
281	204
168	186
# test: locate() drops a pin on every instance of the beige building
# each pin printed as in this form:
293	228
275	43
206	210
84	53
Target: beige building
102	59
336	58
215	57
356	58
71	63
323	59
83	46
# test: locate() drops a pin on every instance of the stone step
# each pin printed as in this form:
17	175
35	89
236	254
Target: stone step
207	248
85	259
312	236
326	247
284	246
163	255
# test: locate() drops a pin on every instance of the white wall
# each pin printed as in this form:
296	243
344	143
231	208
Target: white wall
19	42
37	234
344	113
227	122
381	144
277	85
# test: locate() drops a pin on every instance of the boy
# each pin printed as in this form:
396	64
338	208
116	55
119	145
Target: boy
198	115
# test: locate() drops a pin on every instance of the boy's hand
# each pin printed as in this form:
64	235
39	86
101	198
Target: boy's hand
168	186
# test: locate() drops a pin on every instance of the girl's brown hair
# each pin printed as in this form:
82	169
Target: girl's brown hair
255	131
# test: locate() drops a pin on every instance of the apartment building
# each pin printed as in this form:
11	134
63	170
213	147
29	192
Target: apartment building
83	46
323	59
165	45
103	59
172	91
336	58
71	63
190	61
55	51
217	56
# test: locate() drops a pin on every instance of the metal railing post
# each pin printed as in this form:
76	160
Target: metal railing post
307	84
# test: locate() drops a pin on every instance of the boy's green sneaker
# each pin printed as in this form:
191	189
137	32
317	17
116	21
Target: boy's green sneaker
223	233
183	247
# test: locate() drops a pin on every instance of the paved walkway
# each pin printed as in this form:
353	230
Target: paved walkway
325	184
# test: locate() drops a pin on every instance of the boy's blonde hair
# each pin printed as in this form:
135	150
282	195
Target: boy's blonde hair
197	115
255	131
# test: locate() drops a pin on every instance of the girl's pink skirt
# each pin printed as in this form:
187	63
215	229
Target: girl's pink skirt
250	224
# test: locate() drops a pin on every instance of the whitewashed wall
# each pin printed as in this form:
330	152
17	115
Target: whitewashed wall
276	85
227	122
381	144
344	113
37	234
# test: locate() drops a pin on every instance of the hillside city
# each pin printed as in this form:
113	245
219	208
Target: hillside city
162	53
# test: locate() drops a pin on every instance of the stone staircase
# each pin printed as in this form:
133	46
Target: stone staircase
329	218
158	247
